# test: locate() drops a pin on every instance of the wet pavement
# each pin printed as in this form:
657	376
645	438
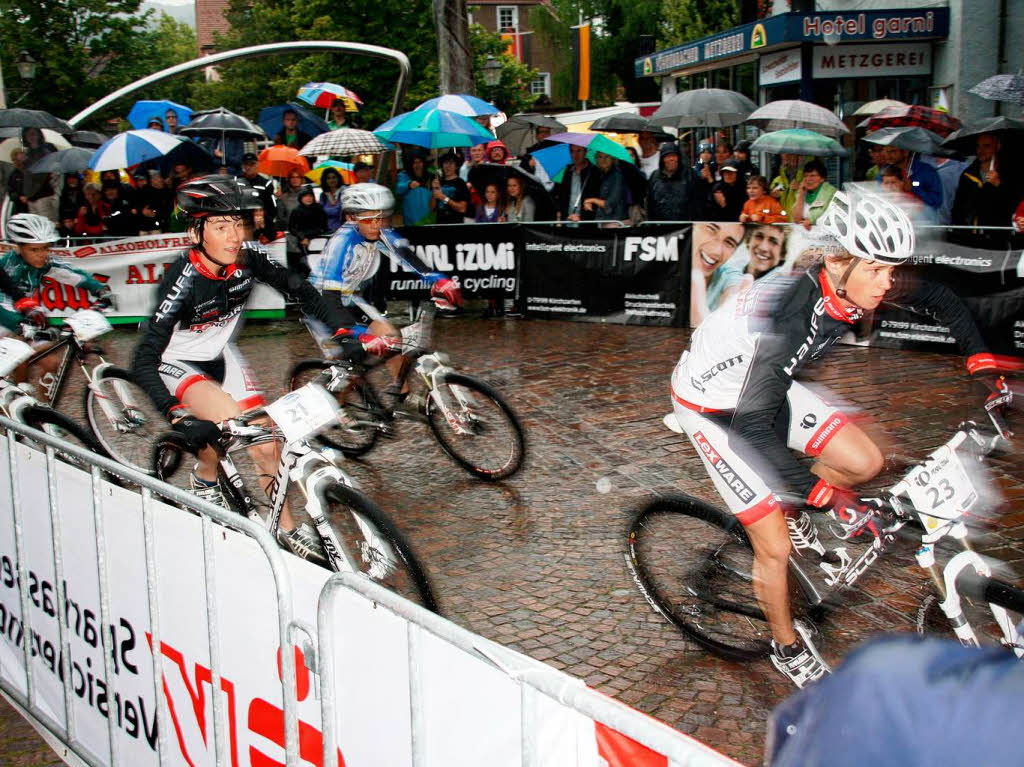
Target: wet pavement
537	562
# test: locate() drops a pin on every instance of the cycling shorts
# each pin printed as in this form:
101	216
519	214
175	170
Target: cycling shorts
806	423
229	370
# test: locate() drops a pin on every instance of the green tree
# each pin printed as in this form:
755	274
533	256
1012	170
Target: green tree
687	20
85	49
512	93
248	85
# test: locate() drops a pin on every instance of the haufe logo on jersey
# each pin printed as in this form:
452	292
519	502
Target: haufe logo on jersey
725	471
652	248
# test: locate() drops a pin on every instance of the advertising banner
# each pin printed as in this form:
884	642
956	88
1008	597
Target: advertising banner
471	710
133	267
625	276
483	259
725	257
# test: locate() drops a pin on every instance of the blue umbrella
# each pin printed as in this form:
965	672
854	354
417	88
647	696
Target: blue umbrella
553	159
433	129
137	146
460	103
144	111
270	119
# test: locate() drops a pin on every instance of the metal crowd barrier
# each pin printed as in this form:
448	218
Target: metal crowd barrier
533	677
210	515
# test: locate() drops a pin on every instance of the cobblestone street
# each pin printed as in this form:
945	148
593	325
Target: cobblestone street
537	563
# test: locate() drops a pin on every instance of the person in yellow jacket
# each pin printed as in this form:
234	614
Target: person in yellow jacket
814	196
786	186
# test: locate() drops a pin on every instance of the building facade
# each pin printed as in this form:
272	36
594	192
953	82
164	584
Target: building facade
843	54
210	19
513	20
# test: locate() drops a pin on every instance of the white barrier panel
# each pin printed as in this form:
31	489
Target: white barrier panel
240	585
133	267
436	694
406	687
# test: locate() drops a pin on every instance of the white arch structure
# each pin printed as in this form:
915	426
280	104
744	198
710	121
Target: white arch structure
255	51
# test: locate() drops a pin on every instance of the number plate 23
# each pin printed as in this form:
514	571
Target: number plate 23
941	487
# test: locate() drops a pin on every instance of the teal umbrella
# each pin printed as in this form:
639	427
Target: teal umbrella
798	141
594	143
433	129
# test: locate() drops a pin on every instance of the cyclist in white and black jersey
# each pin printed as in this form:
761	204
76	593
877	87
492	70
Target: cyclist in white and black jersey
186	360
733	393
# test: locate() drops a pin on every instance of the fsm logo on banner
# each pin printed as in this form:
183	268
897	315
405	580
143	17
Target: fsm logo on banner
652	248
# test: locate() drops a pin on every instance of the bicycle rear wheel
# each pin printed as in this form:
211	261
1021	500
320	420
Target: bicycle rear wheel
361	408
480	432
59	425
376	547
130	435
693	563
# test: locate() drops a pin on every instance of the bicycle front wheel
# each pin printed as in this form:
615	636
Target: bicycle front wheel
693	563
359	424
375	546
59	425
476	428
132	425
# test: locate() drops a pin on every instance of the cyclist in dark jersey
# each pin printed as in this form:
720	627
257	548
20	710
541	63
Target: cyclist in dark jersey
187	362
734	395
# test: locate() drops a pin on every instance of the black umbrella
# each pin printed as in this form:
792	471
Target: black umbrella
65	161
87	138
32	118
520	131
913	139
704	107
627	122
487	173
964	140
221	122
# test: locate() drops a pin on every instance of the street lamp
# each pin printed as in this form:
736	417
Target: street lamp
492	72
26	66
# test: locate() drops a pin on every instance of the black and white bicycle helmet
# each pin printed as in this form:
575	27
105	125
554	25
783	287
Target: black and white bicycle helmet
360	198
869	227
31	229
217	196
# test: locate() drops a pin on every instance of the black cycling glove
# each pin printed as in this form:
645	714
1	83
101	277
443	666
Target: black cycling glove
197	432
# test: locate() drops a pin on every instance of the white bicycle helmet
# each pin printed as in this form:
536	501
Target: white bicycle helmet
31	229
363	197
870	227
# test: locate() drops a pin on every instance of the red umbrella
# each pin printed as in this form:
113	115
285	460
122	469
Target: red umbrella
934	120
281	160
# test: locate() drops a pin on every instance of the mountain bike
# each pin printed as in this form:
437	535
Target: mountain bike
18	402
693	561
356	535
470	420
122	418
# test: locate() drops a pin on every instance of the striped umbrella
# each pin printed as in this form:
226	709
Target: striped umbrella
793	113
132	147
461	104
433	129
323	95
798	141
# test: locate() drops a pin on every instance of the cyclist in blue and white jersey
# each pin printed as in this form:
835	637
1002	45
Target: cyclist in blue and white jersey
351	261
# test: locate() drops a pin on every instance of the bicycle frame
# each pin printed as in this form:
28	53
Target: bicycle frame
309	467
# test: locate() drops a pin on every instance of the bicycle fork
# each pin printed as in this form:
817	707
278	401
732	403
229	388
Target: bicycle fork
110	408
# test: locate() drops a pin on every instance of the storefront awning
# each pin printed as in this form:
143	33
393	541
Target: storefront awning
787	29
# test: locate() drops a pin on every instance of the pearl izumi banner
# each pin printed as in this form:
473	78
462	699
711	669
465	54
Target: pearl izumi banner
133	267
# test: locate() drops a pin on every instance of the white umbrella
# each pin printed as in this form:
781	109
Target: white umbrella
8	145
876	106
793	113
